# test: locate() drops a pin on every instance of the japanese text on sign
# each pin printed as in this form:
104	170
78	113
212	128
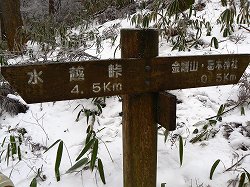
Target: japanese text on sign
186	66
211	65
76	73
35	77
115	70
219	65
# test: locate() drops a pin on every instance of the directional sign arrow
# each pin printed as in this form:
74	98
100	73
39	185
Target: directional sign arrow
75	80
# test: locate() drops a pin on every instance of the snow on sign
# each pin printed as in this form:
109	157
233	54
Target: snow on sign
63	81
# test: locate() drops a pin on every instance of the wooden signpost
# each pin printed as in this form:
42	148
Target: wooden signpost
141	77
64	81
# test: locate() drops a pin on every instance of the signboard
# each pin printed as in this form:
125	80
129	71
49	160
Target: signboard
198	71
63	81
75	80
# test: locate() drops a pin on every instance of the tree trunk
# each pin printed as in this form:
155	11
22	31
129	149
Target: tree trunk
51	7
123	3
12	21
2	32
1	26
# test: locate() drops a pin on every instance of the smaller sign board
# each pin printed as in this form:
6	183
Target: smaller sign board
169	73
166	110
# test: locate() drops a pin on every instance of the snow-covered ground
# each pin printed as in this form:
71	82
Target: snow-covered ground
47	122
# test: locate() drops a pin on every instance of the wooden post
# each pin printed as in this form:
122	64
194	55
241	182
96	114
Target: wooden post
139	114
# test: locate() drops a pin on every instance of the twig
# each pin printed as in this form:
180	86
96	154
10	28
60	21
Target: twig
106	149
13	168
222	41
38	172
68	154
225	111
237	163
39	124
241	26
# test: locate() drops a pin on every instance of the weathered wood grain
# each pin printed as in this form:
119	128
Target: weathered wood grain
226	69
52	82
137	76
166	110
139	115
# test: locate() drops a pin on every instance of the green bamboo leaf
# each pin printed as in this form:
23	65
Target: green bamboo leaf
13	145
78	115
19	153
248	175
145	22
242	180
226	32
58	160
86	148
212	122
87	114
238	19
215	43
213	168
196	131
1	155
190	12
101	171
166	133
99	107
208	32
52	145
94	155
224	3
232	29
242	110
198	33
181	149
78	164
57	174
228	18
20	140
89	130
198	137
3	141
224	15
205	127
7	158
33	183
88	137
139	19
1	61
221	110
163	184
133	19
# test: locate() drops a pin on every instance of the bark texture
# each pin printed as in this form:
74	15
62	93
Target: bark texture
12	21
